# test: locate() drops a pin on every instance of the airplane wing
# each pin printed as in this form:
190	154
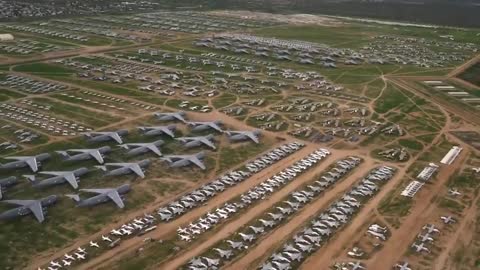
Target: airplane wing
32	163
208	143
216	127
168	132
72	180
115	197
52	173
137	170
154	149
96	155
37	211
116	137
197	162
253	137
97	190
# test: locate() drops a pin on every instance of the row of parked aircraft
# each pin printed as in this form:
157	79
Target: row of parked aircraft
260	191
338	214
295	201
197	197
420	243
204	193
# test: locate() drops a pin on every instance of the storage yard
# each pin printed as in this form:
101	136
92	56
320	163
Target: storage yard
201	140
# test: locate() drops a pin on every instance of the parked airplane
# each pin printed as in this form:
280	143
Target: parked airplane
106	136
104	195
454	192
176	161
244	135
356	265
94	244
171	116
425	237
159	130
27	207
448	219
5	183
142	148
419	248
85	154
137	168
190	142
403	266
202	126
105	238
33	162
430	228
71	177
226	254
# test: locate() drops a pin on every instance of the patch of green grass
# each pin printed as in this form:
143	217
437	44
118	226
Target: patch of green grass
451	204
76	113
390	99
224	100
395	205
44	68
411	144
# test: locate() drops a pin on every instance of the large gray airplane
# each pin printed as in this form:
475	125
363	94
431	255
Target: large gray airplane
137	168
171	116
104	195
176	161
142	148
202	126
27	207
33	162
5	183
106	136
159	130
59	177
85	154
244	135
190	142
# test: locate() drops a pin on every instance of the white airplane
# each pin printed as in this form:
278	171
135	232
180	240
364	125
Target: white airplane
69	257
105	238
356	265
403	266
94	244
55	264
81	250
448	219
425	237
185	238
80	256
138	221
454	192
430	228
66	263
421	247
116	232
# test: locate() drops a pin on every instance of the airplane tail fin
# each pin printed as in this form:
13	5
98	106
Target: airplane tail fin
30	178
74	197
63	154
103	168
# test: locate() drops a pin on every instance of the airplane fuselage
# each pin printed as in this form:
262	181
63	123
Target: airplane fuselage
24	210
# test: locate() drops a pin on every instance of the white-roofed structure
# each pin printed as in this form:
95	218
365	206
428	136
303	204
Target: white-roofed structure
412	189
427	172
450	157
6	37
